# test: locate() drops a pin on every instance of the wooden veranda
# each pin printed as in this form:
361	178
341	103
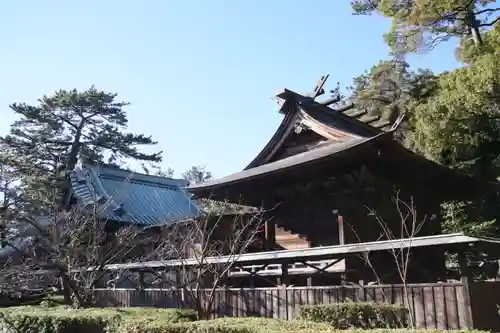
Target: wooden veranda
445	305
277	267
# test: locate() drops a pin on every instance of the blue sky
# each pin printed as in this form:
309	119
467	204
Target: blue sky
199	74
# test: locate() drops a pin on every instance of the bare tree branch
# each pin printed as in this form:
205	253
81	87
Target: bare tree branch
209	236
409	227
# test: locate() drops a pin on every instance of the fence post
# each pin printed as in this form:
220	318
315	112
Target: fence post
466	279
284	285
287	310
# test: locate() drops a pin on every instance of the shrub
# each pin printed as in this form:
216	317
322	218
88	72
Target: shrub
163	315
254	325
228	325
149	320
37	319
61	319
357	315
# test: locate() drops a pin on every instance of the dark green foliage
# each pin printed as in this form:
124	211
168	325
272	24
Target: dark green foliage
421	25
154	314
58	319
197	175
149	320
50	137
457	126
450	118
228	325
251	325
387	89
357	315
35	320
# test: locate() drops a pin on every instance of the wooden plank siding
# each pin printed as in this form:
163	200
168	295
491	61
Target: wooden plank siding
434	306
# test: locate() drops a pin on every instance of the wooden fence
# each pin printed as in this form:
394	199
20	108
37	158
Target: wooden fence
434	306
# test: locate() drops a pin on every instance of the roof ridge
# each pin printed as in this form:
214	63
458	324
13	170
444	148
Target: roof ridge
105	170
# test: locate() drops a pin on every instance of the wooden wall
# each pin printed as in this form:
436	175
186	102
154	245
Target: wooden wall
485	299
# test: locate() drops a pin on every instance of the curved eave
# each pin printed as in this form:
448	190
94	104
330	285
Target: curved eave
295	161
290	110
395	163
459	186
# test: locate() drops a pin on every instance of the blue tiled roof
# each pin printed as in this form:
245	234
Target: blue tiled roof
132	197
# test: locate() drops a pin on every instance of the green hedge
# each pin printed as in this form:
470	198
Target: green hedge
36	320
147	320
46	319
357	315
228	325
252	325
154	314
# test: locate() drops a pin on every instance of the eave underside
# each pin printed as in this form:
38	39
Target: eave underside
381	155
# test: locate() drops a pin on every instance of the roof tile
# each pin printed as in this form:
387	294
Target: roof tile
132	197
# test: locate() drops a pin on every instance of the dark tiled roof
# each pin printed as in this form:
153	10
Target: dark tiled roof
325	150
130	197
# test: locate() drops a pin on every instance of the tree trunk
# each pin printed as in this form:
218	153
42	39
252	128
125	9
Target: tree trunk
474	29
70	291
66	290
70	165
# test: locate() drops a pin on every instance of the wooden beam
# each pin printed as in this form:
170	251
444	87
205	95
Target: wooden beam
330	101
369	120
344	108
382	124
356	113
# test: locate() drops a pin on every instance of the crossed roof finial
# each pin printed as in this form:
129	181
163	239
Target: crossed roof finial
318	90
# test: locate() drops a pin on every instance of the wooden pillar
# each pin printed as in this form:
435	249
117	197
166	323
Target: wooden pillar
309	281
284	275
178	281
140	285
340	221
270	229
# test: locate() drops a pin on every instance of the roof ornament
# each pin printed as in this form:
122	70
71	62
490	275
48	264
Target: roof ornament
398	122
318	90
298	128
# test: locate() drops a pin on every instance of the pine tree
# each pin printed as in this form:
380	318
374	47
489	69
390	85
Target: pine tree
419	25
49	138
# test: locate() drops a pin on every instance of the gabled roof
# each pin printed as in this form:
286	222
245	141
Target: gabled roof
340	125
130	197
344	137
